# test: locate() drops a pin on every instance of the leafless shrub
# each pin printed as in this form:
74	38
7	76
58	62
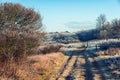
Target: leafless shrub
116	28
112	51
107	45
20	31
49	49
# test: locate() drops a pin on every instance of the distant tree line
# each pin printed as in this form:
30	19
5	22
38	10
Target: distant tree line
104	30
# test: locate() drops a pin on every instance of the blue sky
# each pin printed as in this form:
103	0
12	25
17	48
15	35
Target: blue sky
71	15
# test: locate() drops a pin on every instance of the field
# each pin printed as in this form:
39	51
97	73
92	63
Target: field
62	43
73	62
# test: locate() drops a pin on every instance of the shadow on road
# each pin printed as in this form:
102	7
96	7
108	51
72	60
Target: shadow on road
98	69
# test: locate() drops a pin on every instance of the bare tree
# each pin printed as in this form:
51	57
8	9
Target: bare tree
108	28
101	20
116	28
100	25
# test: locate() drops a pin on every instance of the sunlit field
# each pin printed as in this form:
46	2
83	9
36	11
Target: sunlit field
59	40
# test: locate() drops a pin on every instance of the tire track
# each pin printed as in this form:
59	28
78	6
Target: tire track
88	66
77	72
82	69
73	58
96	66
90	70
65	66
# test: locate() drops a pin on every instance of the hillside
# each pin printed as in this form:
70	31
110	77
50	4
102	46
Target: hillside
61	37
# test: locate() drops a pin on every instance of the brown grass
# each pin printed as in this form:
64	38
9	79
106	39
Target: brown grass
48	49
37	67
113	51
110	52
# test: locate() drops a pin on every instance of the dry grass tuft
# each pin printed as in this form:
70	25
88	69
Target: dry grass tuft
48	49
110	52
113	51
37	67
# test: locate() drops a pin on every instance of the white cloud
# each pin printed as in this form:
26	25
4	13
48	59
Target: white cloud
80	25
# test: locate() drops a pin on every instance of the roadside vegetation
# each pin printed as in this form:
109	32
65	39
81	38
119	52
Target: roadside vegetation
104	30
21	35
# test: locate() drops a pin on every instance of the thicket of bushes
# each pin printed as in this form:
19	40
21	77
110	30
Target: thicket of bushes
87	35
20	31
66	39
20	35
107	45
49	49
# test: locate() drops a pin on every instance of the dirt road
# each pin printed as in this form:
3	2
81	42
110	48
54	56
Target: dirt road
85	65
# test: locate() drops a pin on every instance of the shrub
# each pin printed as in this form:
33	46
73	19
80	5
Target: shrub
113	51
49	49
20	31
107	45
